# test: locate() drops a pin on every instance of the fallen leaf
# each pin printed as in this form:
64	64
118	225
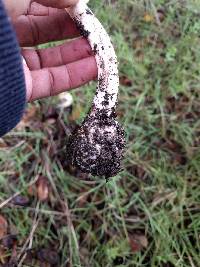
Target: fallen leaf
179	159
32	191
42	188
3	144
30	113
3	227
21	201
9	241
138	171
161	14
148	17
138	242
172	145
82	200
48	256
125	81
28	116
75	113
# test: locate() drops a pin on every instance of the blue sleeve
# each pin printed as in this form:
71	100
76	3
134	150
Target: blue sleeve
12	81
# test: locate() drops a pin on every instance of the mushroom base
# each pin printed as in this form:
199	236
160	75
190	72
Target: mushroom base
97	146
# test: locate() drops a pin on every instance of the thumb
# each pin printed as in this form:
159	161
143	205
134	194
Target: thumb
57	3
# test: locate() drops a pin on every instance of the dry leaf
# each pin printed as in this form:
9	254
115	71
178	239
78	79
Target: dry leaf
138	242
3	227
3	144
21	201
161	14
82	200
179	159
124	80
30	113
32	191
75	113
48	256
9	241
28	116
148	17
42	188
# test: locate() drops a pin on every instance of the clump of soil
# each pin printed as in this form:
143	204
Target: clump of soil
97	146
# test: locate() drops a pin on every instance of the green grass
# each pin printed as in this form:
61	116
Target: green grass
158	193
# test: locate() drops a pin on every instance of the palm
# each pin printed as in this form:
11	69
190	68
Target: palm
53	70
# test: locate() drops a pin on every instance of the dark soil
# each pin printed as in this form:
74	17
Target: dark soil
96	147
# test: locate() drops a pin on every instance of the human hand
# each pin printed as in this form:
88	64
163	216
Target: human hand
53	70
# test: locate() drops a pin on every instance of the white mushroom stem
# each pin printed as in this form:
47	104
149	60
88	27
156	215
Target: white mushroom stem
108	78
97	145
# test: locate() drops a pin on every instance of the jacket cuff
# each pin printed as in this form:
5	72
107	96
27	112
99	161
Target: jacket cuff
12	81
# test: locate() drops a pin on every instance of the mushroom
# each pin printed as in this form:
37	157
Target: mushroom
97	145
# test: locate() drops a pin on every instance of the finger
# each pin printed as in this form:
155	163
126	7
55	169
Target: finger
52	81
56	56
36	9
14	10
33	30
57	3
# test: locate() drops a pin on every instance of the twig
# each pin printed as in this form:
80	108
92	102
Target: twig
191	261
29	241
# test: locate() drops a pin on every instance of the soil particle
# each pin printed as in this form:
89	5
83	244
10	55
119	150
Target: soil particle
102	65
89	12
85	33
102	83
105	102
97	146
95	49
